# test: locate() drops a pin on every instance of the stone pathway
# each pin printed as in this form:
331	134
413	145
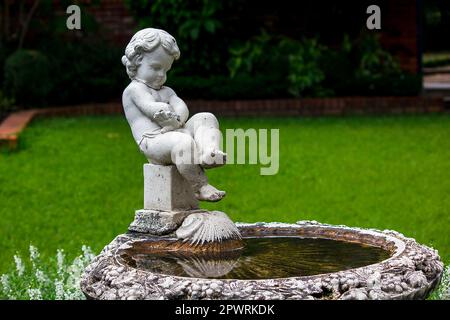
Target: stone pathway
436	82
16	122
13	125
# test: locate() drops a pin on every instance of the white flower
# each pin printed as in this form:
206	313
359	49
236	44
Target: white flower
34	253
60	261
87	254
40	276
74	295
34	294
65	284
5	283
20	267
59	290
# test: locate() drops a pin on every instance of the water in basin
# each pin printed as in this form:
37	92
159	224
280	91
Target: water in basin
261	258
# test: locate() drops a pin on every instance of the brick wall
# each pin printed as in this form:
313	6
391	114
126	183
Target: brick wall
282	107
114	18
115	21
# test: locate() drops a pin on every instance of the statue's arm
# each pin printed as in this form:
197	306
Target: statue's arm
179	106
146	103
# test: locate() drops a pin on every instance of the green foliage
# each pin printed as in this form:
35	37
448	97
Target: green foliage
304	68
190	18
436	59
86	72
308	68
57	279
6	104
218	56
78	72
194	24
373	61
244	58
295	63
27	77
63	67
243	86
362	67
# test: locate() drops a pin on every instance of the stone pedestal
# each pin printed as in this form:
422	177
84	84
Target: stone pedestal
165	189
168	200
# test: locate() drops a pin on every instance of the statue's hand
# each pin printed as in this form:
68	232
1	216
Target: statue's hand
168	120
164	115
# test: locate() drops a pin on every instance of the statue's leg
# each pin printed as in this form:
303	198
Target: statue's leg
180	149
204	128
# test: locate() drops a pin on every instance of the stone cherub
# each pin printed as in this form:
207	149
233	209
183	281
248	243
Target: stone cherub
159	118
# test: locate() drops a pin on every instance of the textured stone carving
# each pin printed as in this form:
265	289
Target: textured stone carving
211	226
411	272
158	222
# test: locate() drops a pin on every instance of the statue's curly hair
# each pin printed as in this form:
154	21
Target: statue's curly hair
147	40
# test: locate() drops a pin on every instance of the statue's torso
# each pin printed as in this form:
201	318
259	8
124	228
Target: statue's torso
140	123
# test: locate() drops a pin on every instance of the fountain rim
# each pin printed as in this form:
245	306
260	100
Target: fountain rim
411	272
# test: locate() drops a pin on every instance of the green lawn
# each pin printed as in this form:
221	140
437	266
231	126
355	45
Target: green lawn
436	59
78	181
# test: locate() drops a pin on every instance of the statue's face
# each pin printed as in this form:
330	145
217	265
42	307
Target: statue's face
154	66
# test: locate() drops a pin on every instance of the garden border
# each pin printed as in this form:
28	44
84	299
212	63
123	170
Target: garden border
16	122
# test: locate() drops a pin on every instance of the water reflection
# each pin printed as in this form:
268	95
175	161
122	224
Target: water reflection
202	266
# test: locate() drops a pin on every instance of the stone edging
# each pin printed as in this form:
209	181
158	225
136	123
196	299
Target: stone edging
15	123
411	272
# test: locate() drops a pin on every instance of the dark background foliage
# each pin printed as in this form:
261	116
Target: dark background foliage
229	50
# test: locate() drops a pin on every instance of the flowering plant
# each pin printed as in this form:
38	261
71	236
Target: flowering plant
33	280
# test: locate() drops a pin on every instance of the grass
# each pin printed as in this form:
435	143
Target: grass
436	59
77	181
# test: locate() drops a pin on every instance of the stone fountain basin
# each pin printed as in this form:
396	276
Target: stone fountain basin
410	271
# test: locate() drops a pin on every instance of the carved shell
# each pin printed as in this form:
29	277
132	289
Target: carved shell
213	226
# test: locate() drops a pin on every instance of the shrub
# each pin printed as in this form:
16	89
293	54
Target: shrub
59	280
373	61
6	104
362	67
288	62
195	24
27	77
86	72
242	86
305	72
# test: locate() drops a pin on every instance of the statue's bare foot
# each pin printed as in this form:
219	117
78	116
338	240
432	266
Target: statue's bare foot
209	193
212	159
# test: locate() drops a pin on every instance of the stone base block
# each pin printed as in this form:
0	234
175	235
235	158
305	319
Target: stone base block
165	189
157	222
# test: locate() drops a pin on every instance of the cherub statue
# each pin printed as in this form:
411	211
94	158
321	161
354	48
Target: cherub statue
159	118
